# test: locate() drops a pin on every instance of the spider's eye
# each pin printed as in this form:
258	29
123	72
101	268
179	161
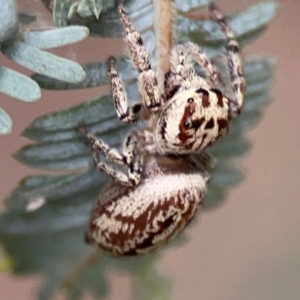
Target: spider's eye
190	100
187	124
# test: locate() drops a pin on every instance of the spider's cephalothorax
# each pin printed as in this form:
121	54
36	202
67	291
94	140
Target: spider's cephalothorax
192	120
166	163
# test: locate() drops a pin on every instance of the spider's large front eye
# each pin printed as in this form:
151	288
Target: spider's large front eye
190	100
187	124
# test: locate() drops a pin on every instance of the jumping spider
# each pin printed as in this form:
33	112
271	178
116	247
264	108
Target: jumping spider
166	162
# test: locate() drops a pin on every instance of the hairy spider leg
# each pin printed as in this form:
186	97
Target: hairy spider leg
179	54
147	79
234	62
182	76
128	157
125	113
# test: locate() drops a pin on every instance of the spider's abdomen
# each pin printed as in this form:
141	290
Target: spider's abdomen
191	121
137	220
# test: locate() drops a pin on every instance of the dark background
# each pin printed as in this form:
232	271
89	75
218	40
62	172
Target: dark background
249	247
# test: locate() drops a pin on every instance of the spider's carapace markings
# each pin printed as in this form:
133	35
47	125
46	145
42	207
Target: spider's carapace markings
167	166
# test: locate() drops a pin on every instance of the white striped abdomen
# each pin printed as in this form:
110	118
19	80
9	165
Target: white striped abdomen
136	220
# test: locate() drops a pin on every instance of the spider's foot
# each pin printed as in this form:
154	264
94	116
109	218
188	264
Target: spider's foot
81	127
111	61
117	3
213	6
89	137
88	239
215	11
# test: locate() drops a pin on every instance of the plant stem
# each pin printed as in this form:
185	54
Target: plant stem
163	15
79	269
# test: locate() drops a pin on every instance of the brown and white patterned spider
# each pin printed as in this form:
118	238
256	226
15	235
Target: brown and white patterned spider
166	162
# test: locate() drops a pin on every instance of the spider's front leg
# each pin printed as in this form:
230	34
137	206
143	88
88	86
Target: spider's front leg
234	62
129	157
180	64
125	113
182	75
147	79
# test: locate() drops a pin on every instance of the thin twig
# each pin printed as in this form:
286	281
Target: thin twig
163	16
79	269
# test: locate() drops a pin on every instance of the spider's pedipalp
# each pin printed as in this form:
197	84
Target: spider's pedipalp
148	81
234	62
129	157
117	175
98	146
129	148
135	169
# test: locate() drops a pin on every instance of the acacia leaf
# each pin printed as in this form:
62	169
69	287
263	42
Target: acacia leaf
54	189
18	85
96	72
9	25
55	37
43	62
96	75
206	33
84	9
247	25
99	111
61	146
60	12
96	7
141	13
190	5
5	122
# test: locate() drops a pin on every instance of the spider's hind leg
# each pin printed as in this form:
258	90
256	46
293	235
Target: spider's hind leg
147	79
234	62
128	157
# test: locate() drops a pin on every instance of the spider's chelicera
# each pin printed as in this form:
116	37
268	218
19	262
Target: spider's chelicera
166	162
